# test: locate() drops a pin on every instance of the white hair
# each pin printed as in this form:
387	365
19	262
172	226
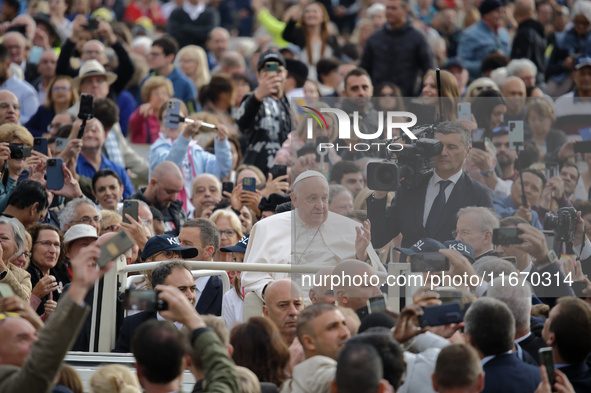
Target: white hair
517	65
499	75
516	297
487	219
142	42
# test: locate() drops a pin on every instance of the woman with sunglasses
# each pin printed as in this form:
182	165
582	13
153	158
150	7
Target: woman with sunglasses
49	274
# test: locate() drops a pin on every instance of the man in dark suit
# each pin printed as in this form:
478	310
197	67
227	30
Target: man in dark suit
203	235
448	190
567	331
174	273
490	328
519	300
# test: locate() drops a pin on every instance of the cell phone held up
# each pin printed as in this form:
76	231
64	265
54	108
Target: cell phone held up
55	174
547	360
114	248
146	300
506	236
131	208
278	170
376	304
249	184
429	262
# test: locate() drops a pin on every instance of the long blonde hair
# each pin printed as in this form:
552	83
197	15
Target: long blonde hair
449	91
196	53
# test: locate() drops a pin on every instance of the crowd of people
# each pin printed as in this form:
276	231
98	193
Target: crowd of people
259	165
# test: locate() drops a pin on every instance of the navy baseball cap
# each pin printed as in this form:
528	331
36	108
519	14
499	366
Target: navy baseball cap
462	247
454	62
239	247
426	244
582	61
161	243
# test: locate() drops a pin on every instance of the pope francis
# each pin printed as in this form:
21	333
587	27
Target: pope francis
309	234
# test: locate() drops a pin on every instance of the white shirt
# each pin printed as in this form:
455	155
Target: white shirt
178	325
433	189
200	283
193	10
233	308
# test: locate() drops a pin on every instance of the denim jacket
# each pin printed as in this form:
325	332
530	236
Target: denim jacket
479	40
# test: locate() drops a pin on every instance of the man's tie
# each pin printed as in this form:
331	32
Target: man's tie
437	207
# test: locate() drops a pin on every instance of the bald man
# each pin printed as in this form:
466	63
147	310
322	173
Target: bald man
321	237
283	303
162	192
207	192
529	41
9	108
355	296
514	91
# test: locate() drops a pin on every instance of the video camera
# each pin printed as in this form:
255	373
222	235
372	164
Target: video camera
563	224
411	166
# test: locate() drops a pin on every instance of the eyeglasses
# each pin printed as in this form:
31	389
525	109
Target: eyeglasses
88	220
92	52
26	254
6	105
463	233
55	89
48	244
154	54
227	232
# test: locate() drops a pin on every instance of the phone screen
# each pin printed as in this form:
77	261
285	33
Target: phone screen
429	262
376	304
506	236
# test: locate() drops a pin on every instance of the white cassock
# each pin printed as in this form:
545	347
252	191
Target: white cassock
275	240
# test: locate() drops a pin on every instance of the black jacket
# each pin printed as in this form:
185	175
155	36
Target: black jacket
530	43
399	56
405	214
174	215
265	126
192	32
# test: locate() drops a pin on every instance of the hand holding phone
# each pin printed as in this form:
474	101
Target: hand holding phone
146	300
131	208
113	248
55	174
